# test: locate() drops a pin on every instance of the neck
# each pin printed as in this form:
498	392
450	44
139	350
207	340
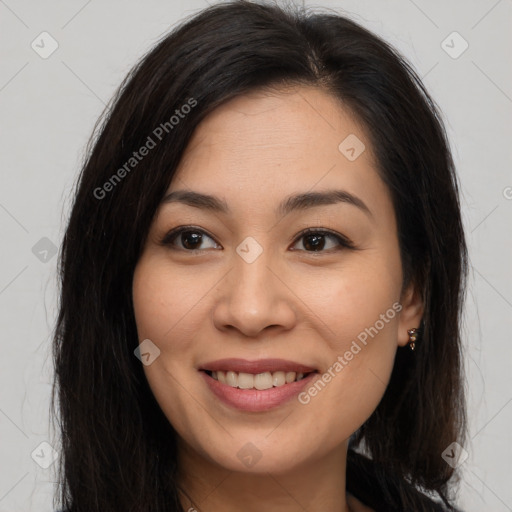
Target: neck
315	484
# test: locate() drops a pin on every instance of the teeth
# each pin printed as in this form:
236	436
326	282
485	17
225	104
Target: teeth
259	381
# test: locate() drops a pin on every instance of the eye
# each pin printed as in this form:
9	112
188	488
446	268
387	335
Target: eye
190	239
314	240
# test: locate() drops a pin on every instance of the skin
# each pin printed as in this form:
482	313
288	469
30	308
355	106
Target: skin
292	302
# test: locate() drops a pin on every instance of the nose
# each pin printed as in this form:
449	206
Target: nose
254	297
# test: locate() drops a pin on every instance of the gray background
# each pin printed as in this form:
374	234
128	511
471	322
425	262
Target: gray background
48	108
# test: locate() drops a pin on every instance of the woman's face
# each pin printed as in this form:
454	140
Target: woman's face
245	283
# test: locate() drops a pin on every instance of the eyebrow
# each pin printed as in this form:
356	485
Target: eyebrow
295	202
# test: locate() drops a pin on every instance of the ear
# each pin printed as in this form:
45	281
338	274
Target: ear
411	313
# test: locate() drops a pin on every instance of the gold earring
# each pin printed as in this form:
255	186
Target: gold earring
413	336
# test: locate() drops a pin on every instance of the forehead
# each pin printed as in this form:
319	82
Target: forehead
277	125
275	143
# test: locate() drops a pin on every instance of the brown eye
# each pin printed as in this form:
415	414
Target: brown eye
186	239
314	240
192	239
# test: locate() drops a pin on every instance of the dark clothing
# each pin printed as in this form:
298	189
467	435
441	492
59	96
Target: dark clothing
383	492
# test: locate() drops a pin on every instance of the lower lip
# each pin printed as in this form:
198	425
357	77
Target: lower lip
256	400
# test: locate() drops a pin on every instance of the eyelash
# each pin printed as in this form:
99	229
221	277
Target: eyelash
171	236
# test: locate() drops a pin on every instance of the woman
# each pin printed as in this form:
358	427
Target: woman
262	279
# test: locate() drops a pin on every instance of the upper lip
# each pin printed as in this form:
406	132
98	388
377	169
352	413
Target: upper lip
255	367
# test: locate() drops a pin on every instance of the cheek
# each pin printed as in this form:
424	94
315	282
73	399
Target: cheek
361	296
166	305
358	310
167	313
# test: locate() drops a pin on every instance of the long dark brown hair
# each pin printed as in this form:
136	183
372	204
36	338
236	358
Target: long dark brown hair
118	450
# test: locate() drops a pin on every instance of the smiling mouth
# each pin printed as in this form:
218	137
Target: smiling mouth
259	381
